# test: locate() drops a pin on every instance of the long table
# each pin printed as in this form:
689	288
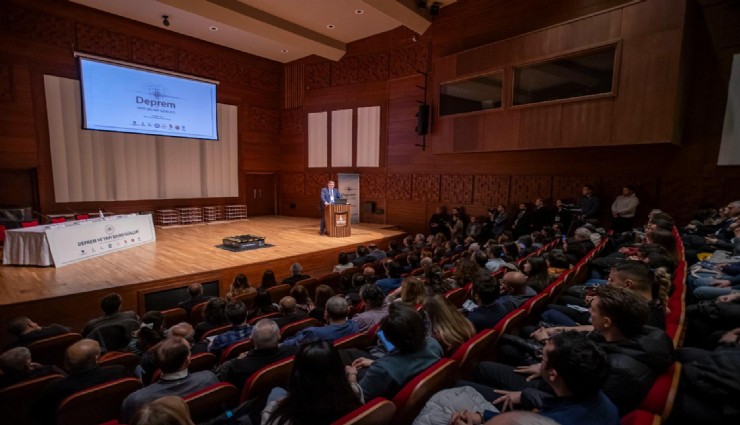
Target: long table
60	244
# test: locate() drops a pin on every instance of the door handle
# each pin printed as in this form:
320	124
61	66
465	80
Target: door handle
260	193
255	194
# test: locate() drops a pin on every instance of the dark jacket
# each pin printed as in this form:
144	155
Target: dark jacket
635	364
237	371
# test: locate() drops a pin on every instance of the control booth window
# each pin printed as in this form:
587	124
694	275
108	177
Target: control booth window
580	75
477	93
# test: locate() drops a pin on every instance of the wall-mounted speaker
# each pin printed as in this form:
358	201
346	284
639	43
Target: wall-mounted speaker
422	120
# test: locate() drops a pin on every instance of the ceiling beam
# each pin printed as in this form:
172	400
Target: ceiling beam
403	14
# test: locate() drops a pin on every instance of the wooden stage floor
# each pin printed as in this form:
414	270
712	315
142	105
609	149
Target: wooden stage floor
183	255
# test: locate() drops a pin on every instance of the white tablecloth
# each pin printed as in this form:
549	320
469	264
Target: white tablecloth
27	246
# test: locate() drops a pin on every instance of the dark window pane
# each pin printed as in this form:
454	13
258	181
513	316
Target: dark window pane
585	74
474	94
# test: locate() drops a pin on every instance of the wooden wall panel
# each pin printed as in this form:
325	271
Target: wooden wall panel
346	71
467	133
373	67
501	131
457	190
155	54
568	188
528	188
400	187
30	24
426	188
317	75
263	119
102	42
540	127
587	123
291	121
6	82
409	215
293	183
374	186
491	190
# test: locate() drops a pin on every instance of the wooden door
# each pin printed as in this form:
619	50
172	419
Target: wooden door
260	194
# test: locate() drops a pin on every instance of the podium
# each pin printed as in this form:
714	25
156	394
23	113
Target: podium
338	220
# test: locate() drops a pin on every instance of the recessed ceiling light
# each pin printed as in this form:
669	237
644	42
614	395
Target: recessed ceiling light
284	50
212	28
330	26
359	11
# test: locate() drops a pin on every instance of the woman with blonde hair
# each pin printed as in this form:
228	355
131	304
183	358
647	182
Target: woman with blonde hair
169	410
413	291
239	286
447	325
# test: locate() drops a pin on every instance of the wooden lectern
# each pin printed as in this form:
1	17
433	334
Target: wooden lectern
338	220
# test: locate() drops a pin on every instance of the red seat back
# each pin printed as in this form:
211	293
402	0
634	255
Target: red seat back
412	397
16	400
359	340
174	316
211	401
51	350
77	409
278	292
217	330
377	412
58	219
127	360
659	399
310	284
196	313
264	380
293	328
475	350
2	234
457	296
82	216
32	223
233	350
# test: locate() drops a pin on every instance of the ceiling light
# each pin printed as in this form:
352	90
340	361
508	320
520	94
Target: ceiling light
284	50
212	28
359	11
330	26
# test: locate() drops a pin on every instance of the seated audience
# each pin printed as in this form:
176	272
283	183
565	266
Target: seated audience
112	315
262	305
323	294
168	410
239	286
488	313
538	278
376	252
343	263
27	331
81	361
393	281
413	351
637	353
16	366
338	326
268	279
375	308
317	366
149	334
195	297
302	300
266	336
236	313
447	325
514	290
296	274
214	315
363	256
173	358
289	311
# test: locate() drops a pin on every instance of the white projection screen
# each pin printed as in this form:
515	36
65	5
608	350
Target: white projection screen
729	149
109	166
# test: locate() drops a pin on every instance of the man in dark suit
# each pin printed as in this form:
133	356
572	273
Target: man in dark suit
329	195
266	336
290	312
82	362
195	291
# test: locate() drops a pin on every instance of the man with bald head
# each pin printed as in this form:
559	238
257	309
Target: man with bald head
173	359
266	336
81	362
335	314
195	297
290	312
514	290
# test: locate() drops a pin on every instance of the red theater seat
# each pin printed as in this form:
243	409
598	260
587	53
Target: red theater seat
412	397
378	411
33	223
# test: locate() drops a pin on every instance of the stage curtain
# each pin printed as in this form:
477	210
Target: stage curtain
317	139
108	166
368	136
341	138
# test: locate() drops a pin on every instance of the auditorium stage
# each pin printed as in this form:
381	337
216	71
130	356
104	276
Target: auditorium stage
180	256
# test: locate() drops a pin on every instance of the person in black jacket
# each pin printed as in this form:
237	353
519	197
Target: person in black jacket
637	355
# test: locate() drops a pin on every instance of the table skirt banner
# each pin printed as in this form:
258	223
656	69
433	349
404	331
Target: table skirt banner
77	241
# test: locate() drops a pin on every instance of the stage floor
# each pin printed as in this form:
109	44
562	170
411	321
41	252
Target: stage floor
191	250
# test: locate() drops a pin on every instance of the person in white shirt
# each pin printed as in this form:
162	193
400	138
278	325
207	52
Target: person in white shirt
623	210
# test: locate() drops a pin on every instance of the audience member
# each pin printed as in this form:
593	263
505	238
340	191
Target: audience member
323	294
149	334
302	300
81	361
589	203
195	297
236	313
289	311
344	263
239	286
376	252
514	291
27	331
488	313
112	315
296	274
214	315
17	366
268	279
446	324
623	210
413	352
173	358
535	268
393	281
168	410
363	256
338	326
262	305
375	308
317	366
265	336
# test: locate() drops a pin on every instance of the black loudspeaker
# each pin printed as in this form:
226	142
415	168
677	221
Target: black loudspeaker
422	120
